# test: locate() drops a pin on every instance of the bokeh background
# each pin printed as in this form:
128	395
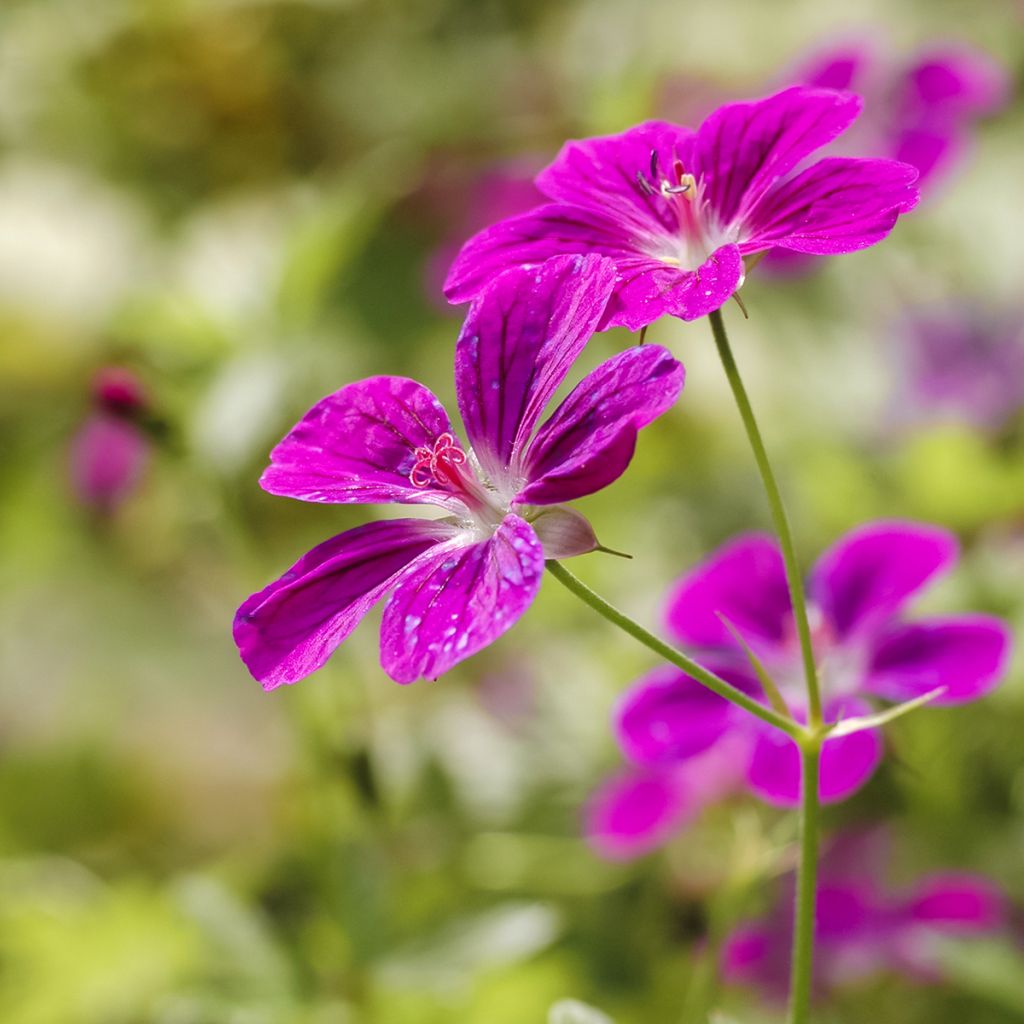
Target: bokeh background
248	203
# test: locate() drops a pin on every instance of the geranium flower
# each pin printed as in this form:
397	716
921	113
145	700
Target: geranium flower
921	111
677	210
960	361
456	584
667	723
862	928
110	451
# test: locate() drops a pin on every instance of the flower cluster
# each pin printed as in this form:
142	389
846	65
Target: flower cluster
678	736
658	220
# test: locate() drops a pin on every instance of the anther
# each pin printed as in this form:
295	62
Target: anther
437	465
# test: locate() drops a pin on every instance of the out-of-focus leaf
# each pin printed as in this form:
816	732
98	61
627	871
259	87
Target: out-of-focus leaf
571	1011
334	233
498	937
993	968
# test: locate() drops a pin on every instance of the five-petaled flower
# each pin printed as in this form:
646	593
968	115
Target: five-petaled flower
667	724
679	210
457	583
862	927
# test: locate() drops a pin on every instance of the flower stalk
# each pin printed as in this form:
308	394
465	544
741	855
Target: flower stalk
670	654
794	576
802	965
810	739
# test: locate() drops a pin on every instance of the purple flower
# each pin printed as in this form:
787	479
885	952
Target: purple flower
456	584
964	362
677	210
920	112
862	929
667	722
110	451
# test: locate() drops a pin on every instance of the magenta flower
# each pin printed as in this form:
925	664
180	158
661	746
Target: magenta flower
667	722
110	451
921	112
677	210
456	584
862	929
961	362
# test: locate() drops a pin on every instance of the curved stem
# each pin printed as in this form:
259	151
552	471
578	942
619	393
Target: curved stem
670	654
803	929
794	577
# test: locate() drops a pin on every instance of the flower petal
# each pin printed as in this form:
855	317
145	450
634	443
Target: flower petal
968	655
872	572
531	238
633	812
667	717
754	955
603	173
742	149
649	288
836	68
649	284
837	205
460	600
744	582
359	445
521	337
956	903
290	628
589	439
846	762
108	457
930	148
955	81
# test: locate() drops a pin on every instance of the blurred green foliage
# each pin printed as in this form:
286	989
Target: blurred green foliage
239	199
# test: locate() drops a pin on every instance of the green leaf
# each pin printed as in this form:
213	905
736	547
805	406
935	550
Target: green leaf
767	683
851	725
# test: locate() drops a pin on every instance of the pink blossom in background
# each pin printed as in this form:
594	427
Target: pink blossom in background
961	362
678	211
922	111
497	192
110	451
863	928
454	585
667	723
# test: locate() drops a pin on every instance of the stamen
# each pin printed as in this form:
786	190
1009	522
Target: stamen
645	186
437	465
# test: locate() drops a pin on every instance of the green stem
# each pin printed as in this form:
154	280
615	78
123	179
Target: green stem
670	654
794	577
803	930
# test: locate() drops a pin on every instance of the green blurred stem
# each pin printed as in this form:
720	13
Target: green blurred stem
807	875
670	654
794	577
